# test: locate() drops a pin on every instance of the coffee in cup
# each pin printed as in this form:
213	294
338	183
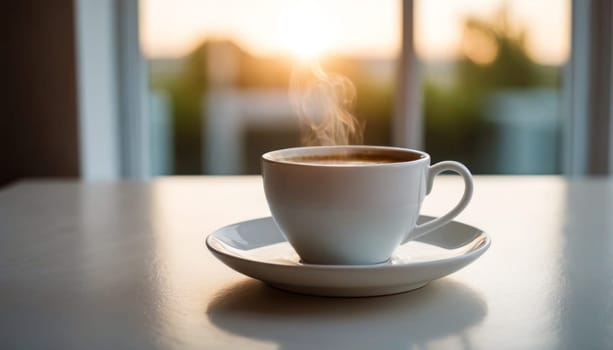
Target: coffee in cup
353	205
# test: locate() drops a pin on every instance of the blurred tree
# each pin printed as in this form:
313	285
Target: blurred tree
494	57
186	89
189	85
375	97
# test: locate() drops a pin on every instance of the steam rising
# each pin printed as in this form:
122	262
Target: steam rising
324	103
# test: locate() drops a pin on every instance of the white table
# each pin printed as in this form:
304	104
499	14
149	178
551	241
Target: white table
123	265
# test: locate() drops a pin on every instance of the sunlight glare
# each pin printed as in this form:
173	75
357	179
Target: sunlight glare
478	47
306	31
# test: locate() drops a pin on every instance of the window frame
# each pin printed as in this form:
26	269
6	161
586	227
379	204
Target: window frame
588	91
98	105
114	131
408	112
111	76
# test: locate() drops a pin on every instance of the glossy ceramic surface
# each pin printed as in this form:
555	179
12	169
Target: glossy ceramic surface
257	249
354	214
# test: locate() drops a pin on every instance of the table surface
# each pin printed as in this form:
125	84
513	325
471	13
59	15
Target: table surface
123	265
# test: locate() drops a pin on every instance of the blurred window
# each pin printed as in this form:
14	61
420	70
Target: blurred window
219	73
493	82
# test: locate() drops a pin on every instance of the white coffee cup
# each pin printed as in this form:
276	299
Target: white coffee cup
336	211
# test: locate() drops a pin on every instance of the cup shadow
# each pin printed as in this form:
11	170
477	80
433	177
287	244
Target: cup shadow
444	308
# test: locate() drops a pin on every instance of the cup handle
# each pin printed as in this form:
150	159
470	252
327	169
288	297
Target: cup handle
456	167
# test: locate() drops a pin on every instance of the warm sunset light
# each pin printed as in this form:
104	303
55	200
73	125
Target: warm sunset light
480	48
306	31
299	28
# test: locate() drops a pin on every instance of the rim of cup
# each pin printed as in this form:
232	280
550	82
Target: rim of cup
281	156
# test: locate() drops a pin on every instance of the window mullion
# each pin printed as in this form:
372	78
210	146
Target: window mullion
408	119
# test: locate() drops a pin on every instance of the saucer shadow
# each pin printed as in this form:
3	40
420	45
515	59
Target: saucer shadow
443	308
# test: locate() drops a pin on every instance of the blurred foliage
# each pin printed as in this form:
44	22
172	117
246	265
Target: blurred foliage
188	84
374	101
185	88
455	126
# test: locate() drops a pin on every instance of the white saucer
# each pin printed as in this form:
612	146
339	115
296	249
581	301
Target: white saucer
257	249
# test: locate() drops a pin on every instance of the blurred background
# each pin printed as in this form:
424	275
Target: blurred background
141	88
491	77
